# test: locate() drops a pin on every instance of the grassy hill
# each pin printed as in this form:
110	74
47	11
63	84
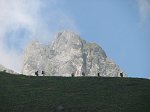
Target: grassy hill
78	94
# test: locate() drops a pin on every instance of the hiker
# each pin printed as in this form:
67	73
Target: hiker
98	74
121	74
83	74
43	73
36	73
72	75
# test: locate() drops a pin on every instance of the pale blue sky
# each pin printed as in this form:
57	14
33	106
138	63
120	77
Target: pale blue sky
120	27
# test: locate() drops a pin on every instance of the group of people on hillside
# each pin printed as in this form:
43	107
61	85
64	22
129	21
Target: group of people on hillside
73	74
37	73
98	74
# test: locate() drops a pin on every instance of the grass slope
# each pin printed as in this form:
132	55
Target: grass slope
79	94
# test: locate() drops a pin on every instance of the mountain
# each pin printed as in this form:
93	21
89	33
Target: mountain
2	68
68	54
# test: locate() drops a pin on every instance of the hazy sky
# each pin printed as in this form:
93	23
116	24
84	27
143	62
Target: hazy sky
120	27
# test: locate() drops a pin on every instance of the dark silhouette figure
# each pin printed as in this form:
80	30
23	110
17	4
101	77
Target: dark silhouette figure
121	74
43	73
72	75
98	74
83	74
36	73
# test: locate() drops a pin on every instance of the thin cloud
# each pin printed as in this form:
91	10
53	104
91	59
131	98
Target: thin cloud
144	9
24	20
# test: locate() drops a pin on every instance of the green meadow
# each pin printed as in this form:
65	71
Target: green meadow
19	93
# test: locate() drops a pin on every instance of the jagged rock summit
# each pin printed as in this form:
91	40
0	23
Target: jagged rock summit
68	54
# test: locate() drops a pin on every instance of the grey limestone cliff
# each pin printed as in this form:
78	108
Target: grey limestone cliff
68	54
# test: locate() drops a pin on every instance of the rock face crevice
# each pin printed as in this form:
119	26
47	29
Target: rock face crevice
68	54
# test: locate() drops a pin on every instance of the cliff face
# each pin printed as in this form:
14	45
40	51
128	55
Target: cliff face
68	54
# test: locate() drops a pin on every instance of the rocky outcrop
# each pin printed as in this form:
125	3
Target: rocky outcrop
4	69
68	54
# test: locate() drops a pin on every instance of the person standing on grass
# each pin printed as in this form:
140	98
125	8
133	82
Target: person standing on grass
72	75
43	73
98	74
83	74
36	73
121	74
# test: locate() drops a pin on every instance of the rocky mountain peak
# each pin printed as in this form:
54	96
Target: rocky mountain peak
68	54
67	40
